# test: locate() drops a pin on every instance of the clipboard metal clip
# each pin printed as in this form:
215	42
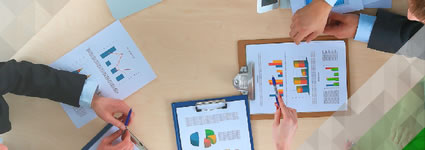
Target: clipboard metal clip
244	81
137	142
211	105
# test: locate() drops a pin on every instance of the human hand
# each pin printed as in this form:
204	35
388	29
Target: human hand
310	21
125	144
284	130
3	147
342	25
105	108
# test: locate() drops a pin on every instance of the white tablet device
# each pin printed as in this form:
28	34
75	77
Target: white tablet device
266	5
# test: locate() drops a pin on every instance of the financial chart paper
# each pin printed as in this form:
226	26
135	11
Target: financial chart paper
311	77
111	59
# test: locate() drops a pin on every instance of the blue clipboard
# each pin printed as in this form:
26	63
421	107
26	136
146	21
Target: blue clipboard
138	144
193	103
97	137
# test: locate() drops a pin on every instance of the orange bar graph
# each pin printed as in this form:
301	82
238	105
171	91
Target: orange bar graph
280	91
299	64
277	82
276	63
304	72
300	80
280	71
303	89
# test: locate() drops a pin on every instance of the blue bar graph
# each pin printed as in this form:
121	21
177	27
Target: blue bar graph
113	70
120	77
274	95
109	51
108	63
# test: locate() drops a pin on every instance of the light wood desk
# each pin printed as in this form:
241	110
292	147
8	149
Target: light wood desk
191	45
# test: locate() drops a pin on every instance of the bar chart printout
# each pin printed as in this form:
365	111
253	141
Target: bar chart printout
333	79
113	61
302	82
277	67
216	129
312	77
115	68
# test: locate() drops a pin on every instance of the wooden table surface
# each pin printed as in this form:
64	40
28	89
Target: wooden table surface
192	47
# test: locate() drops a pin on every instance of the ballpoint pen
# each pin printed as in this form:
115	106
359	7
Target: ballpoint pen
275	89
134	139
127	120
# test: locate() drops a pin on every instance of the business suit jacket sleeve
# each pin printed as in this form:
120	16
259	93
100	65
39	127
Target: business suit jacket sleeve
391	31
25	78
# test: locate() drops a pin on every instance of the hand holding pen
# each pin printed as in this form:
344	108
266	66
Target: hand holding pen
126	139
284	129
127	120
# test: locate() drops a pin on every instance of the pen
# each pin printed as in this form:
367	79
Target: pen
275	89
127	120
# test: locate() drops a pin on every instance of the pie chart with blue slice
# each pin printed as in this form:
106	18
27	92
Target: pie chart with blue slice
194	139
209	140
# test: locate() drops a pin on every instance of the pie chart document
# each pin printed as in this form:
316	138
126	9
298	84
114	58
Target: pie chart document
225	129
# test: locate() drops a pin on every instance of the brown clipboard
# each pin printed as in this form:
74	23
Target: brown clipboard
242	62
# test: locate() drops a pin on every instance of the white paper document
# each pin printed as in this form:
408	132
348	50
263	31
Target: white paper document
112	59
311	77
341	6
216	129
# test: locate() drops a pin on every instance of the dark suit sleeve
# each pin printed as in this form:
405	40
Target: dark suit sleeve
25	78
391	31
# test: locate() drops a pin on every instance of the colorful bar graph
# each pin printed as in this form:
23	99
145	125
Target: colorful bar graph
334	84
304	72
276	63
278	82
300	63
332	79
336	74
280	91
108	63
332	68
280	73
274	95
109	51
120	77
302	89
300	80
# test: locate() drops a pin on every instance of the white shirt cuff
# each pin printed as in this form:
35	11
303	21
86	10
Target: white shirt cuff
364	29
331	2
89	89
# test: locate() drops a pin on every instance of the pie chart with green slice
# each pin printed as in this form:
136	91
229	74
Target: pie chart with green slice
210	138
